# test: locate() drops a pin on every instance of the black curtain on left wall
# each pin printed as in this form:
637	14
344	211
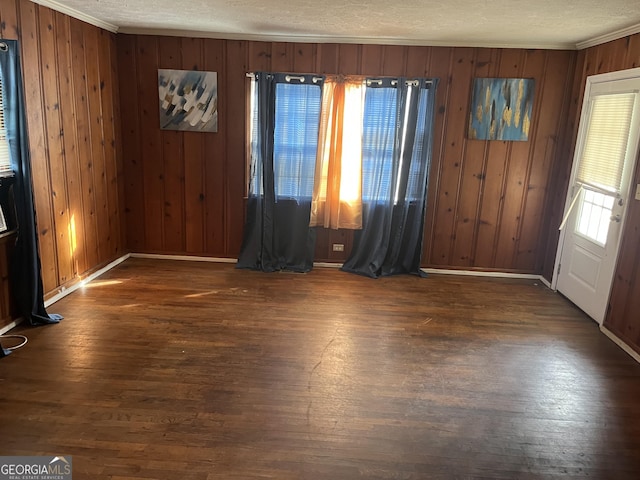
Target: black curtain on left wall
25	269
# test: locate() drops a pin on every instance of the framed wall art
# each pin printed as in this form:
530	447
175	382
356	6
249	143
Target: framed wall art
501	109
188	100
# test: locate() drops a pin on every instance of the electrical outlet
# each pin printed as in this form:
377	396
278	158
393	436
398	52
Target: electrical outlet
338	247
638	192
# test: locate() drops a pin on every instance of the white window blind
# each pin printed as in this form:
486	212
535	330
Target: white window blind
605	145
5	159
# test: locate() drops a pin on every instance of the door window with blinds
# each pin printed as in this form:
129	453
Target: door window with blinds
612	117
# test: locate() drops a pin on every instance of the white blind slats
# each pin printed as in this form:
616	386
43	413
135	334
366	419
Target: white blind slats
5	159
605	145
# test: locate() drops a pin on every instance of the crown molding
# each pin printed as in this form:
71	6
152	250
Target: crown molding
608	37
348	40
58	7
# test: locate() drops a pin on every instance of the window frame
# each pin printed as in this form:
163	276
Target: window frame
370	82
6	167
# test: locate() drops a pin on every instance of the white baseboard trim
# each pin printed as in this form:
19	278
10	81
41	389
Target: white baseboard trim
327	265
441	271
546	282
477	273
63	292
158	256
11	325
194	258
614	338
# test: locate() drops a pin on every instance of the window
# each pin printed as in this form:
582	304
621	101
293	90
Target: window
6	172
607	140
421	141
5	157
295	137
385	133
370	130
594	217
295	140
380	120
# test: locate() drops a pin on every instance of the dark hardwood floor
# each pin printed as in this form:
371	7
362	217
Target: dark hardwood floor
180	370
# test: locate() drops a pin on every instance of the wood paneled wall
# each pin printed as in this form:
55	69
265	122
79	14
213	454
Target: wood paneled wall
623	317
70	79
487	200
7	306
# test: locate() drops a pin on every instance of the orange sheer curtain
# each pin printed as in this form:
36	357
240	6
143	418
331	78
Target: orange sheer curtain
337	191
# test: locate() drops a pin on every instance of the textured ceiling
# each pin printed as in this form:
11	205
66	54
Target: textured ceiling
518	23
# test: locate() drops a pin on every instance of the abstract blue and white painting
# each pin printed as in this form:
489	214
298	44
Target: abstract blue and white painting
188	100
501	109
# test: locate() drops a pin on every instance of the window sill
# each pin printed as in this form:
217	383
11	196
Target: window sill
7	180
8	233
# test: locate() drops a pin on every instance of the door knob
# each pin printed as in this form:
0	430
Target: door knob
616	218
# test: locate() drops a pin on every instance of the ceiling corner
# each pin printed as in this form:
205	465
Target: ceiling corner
609	37
58	7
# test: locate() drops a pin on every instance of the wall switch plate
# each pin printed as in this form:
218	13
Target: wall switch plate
638	192
338	247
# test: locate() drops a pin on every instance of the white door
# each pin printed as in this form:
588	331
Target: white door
605	155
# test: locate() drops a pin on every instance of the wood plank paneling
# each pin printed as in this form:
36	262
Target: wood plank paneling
169	57
371	60
71	114
474	186
111	95
70	159
439	67
282	57
9	19
394	60
235	71
151	151
496	180
89	243
305	58
55	134
418	59
451	155
533	63
622	313
259	56
96	131
38	147
194	164
349	59
546	149
215	148
472	178
132	144
328	57
109	138
7	306
562	167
